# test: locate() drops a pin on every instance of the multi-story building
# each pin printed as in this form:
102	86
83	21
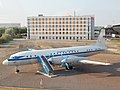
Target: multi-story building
60	27
9	25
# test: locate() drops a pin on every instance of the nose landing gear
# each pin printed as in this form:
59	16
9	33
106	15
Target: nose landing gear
17	70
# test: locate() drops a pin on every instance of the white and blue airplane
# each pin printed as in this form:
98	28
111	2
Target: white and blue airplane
59	56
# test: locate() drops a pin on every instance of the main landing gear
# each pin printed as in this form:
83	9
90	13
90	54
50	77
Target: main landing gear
69	67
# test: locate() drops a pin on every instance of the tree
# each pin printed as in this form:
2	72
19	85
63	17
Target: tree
2	30
10	31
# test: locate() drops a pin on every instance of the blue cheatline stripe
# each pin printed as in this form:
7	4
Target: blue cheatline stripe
26	58
18	59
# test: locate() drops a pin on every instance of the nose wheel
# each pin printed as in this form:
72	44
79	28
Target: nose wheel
17	70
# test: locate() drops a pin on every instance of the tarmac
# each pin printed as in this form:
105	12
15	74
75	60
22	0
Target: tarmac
83	77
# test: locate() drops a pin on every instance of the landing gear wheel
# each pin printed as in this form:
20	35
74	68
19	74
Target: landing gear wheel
17	70
71	67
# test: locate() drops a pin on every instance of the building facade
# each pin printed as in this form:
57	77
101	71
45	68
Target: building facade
10	25
60	27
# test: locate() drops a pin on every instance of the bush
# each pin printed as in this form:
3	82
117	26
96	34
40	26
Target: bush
1	40
5	38
2	30
18	36
9	31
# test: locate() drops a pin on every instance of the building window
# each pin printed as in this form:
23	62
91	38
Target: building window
32	32
59	37
66	37
39	37
43	19
42	37
39	19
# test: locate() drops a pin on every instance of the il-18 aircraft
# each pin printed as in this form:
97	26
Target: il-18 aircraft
60	56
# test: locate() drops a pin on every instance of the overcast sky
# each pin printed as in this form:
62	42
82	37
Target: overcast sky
105	11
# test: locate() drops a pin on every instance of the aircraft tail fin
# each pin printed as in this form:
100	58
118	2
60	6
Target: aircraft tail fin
101	40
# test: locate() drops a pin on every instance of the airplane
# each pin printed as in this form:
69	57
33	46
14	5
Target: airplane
65	57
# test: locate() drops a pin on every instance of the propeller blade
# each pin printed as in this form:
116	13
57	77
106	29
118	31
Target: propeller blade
67	65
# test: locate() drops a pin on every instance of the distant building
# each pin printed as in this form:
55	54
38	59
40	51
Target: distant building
9	25
97	31
113	30
60	27
116	28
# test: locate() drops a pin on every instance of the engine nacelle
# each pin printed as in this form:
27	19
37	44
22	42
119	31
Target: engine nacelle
68	59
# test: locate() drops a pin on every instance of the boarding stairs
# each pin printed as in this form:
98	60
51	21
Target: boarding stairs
49	71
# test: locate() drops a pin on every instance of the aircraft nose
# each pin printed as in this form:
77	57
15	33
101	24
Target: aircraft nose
5	62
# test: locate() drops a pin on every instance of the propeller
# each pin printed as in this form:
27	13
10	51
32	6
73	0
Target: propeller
64	62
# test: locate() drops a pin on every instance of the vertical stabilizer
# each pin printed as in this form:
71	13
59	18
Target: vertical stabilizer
101	40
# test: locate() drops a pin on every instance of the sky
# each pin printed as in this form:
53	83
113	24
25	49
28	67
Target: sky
106	12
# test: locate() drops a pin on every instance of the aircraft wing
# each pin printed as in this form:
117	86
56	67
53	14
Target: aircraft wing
93	62
85	60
